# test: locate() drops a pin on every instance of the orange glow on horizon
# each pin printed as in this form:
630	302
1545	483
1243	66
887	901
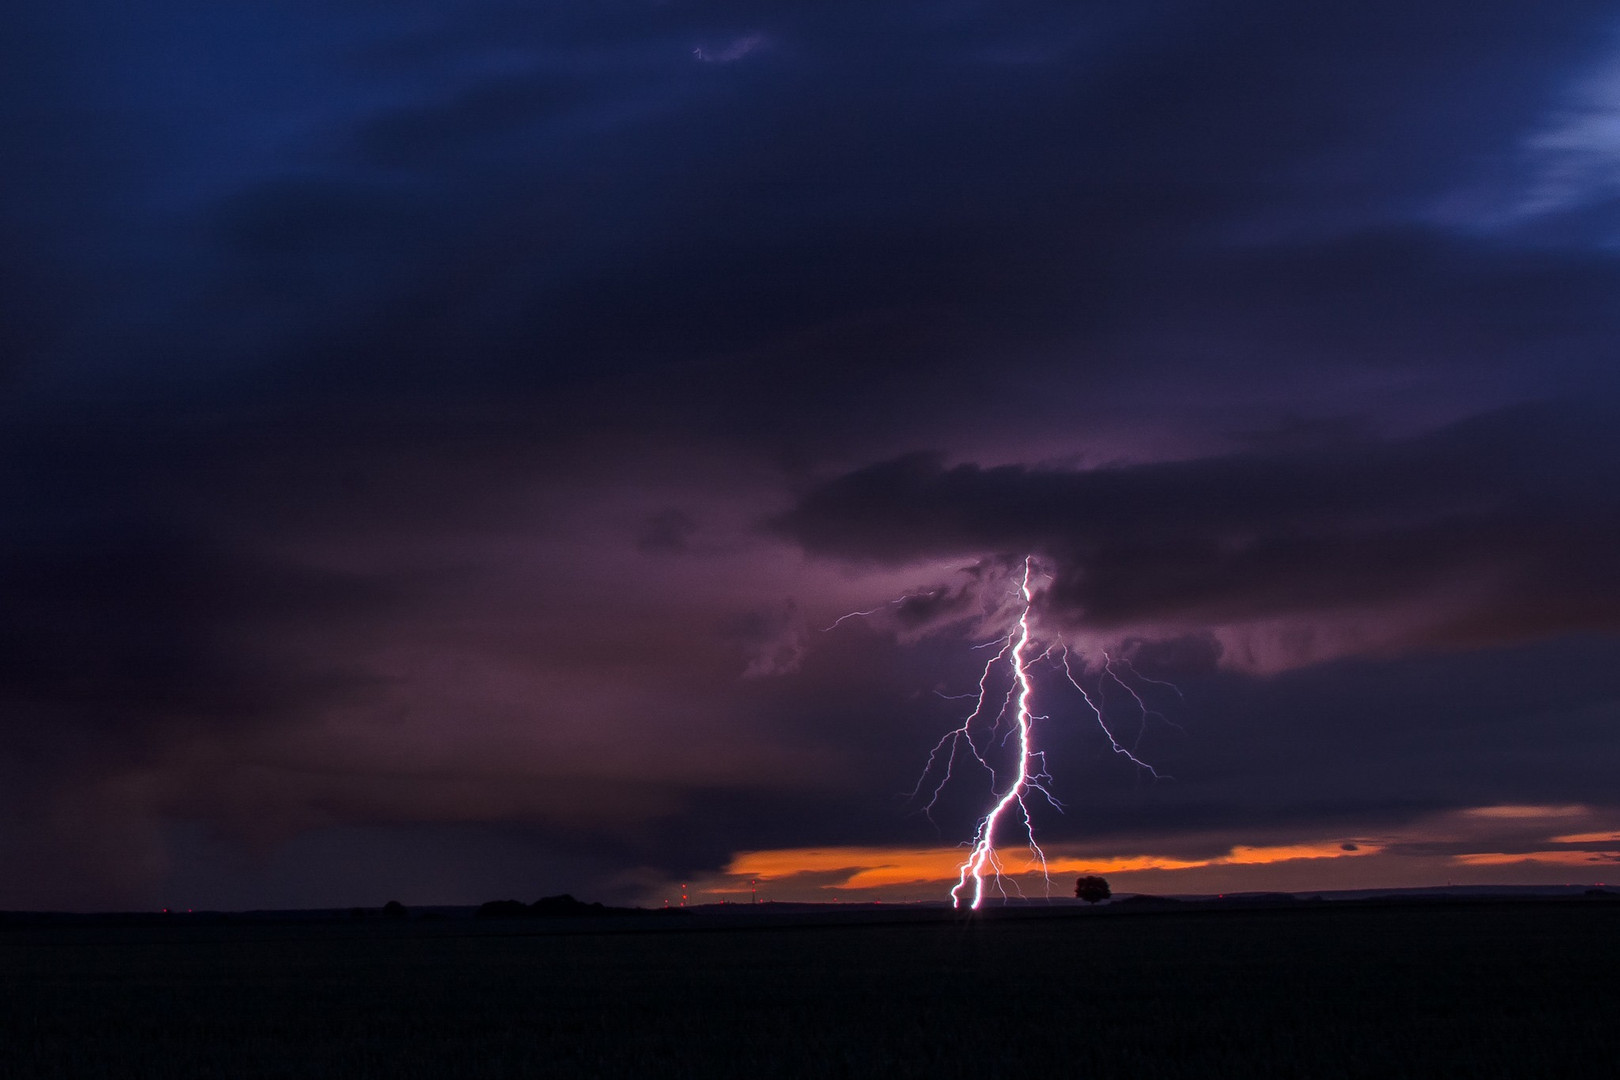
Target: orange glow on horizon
1522	812
1557	858
1496	844
870	868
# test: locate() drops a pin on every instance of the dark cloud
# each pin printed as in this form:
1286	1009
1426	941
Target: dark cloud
1489	508
891	193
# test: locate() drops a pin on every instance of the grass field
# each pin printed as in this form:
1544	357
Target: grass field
1339	990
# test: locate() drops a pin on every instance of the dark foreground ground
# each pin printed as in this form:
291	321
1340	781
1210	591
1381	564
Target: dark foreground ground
1464	989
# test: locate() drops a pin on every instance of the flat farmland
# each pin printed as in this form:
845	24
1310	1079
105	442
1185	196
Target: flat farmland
1486	989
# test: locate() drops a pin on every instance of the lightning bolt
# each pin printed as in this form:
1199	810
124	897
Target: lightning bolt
896	602
1020	652
1031	770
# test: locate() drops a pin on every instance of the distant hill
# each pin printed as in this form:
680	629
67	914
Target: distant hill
550	907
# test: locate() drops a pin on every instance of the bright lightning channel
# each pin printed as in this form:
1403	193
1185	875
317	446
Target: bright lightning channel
1018	649
1031	769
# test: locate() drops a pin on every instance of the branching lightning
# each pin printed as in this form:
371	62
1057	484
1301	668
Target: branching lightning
1014	718
1030	771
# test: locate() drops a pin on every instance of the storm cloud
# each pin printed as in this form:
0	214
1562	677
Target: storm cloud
1504	526
434	437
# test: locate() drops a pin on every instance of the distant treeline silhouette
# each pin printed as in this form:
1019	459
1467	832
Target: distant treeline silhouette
546	907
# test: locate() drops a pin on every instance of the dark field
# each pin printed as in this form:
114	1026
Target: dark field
1337	990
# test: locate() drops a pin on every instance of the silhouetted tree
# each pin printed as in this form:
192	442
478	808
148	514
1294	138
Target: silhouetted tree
565	905
1092	889
543	907
394	910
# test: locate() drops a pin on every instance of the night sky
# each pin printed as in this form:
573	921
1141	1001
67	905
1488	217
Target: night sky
435	439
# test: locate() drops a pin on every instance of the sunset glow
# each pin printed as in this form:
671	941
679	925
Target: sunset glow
1437	849
873	868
